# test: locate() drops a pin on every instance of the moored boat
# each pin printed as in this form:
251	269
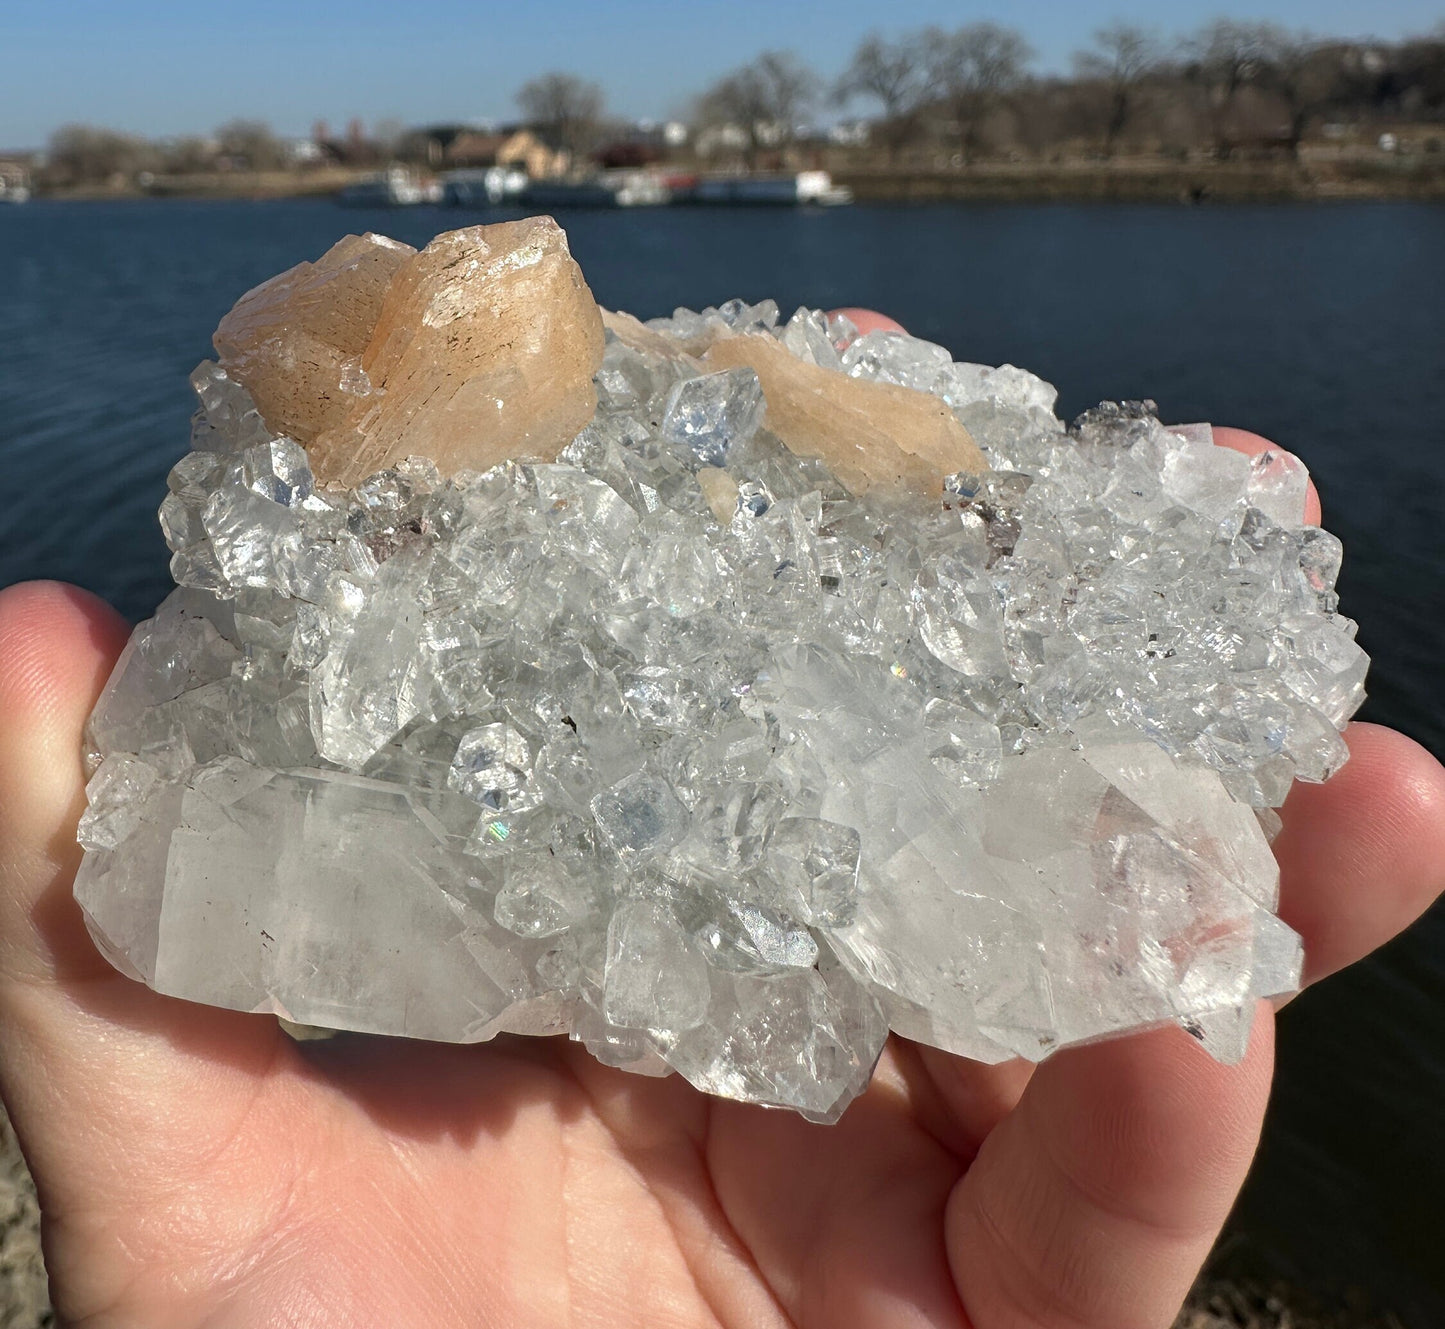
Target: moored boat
14	183
395	187
481	187
606	189
774	189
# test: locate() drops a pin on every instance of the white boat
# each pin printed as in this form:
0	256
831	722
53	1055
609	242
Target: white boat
395	187
640	189
786	189
488	185
14	184
606	189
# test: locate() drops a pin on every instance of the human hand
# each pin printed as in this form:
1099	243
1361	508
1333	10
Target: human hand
196	1167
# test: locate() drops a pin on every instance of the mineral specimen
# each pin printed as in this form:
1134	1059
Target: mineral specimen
812	686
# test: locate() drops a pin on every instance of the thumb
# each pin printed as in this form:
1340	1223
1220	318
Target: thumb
57	645
1094	1203
88	1058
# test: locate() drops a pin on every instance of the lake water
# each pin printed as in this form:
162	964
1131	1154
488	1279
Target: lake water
1320	326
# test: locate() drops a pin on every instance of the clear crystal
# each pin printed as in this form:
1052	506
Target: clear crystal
712	415
1278	483
374	680
539	897
655	979
640	817
966	746
278	470
116	795
493	767
818	862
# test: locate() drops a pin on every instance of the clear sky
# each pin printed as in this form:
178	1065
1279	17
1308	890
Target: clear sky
160	67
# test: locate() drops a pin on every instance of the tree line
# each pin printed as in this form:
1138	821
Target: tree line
1232	84
948	96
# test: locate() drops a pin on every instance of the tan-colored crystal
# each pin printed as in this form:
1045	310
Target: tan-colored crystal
633	332
296	341
482	347
868	434
720	490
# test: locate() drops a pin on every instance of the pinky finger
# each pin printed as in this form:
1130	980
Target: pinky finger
868	320
1094	1203
1253	445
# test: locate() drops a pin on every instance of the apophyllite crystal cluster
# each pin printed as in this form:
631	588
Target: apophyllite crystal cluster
718	691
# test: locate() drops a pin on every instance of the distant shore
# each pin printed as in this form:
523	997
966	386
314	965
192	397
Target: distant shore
1143	180
1149	180
217	184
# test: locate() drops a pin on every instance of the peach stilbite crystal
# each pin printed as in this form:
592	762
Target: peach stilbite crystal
296	342
867	433
477	349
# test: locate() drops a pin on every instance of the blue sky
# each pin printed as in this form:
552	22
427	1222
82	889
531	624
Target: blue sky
166	67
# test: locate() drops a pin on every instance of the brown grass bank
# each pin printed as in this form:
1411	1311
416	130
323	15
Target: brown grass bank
1153	181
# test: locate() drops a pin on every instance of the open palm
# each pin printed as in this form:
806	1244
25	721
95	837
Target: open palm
196	1167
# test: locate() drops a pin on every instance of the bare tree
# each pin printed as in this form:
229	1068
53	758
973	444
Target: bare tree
974	68
1308	75
1231	53
1122	59
765	99
251	145
1304	73
897	75
86	154
1420	75
1049	111
189	155
565	108
1228	56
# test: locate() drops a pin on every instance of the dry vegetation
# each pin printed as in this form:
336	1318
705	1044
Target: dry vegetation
930	102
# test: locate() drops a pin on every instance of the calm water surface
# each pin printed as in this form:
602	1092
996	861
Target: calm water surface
1323	327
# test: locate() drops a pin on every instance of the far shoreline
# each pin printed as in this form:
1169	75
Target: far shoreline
1154	181
1122	180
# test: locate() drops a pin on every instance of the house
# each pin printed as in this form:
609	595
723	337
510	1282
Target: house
461	147
516	147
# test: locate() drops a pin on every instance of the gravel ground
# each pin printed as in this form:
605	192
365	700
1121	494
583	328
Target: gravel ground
1220	1304
25	1299
24	1289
